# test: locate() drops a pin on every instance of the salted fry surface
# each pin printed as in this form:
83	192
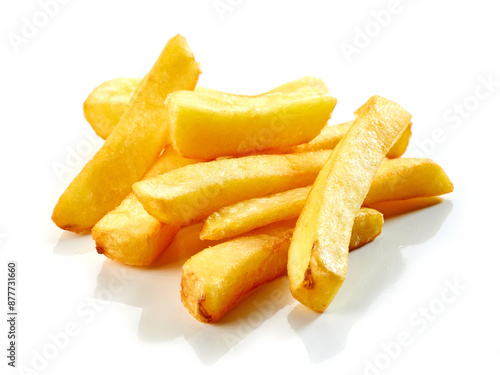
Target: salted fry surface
317	261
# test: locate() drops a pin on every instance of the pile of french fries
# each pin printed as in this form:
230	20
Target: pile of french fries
281	192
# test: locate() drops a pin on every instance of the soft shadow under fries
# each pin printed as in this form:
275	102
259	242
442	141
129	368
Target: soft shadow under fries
372	269
155	290
73	244
396	208
185	244
212	341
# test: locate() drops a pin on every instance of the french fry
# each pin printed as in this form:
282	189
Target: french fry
331	135
327	139
109	101
132	147
128	234
244	216
407	178
191	193
301	84
218	277
176	154
317	259
207	125
367	226
396	179
399	147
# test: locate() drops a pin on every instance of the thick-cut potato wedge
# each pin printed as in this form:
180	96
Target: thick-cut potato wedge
207	125
396	179
128	234
193	192
399	147
330	136
244	216
110	100
327	139
406	178
132	147
367	226
301	84
218	277
317	261
107	102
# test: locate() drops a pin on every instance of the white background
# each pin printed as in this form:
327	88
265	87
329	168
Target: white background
431	57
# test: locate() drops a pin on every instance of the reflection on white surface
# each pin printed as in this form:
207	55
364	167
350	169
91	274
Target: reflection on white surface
163	318
73	244
212	342
372	269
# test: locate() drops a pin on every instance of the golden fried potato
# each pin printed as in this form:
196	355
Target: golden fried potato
191	193
107	102
219	276
327	139
367	226
399	147
331	135
312	85
128	234
317	260
301	84
208	125
406	178
244	216
133	146
396	179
